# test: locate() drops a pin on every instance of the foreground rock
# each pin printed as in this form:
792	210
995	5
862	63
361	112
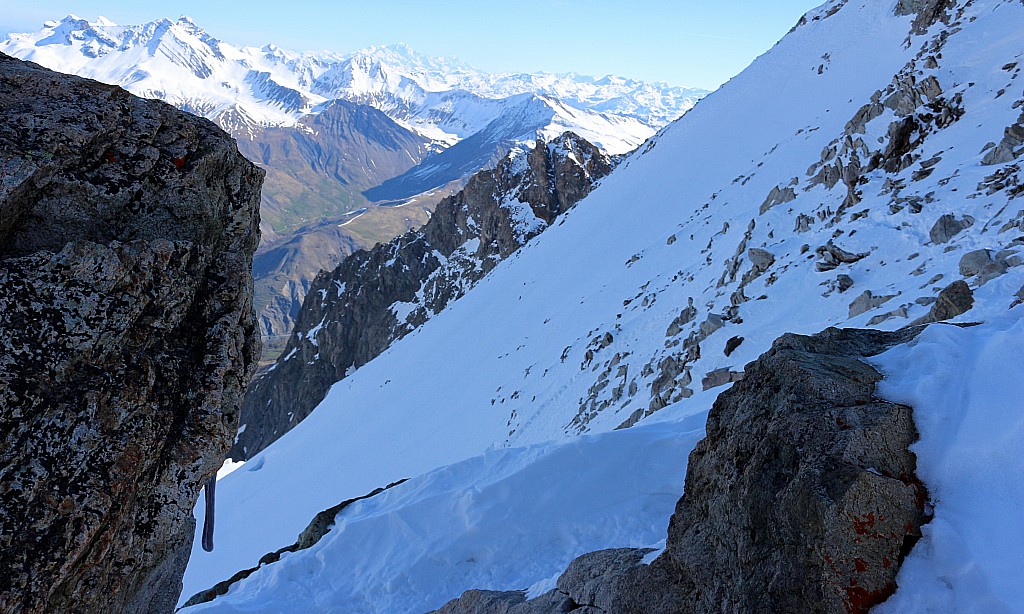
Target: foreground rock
802	498
376	297
127	335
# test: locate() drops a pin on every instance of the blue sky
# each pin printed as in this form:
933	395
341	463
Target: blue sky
684	42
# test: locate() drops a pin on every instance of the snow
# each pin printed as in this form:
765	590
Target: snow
965	385
413	547
229	467
568	335
245	88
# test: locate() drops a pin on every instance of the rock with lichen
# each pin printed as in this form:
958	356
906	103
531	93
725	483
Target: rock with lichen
127	336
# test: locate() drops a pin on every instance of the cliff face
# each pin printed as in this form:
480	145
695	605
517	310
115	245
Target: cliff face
375	297
127	336
802	498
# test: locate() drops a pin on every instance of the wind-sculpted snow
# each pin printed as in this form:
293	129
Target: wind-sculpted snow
810	208
965	385
402	546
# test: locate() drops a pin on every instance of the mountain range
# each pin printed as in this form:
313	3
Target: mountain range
338	133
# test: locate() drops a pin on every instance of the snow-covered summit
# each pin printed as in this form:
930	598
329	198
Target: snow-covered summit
245	88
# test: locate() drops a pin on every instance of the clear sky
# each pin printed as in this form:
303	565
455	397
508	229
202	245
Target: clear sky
699	43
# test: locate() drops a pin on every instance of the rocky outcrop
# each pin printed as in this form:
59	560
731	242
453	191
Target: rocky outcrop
926	12
127	335
375	297
955	299
802	498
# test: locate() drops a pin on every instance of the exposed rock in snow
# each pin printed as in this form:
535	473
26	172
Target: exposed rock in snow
954	300
803	497
948	226
866	302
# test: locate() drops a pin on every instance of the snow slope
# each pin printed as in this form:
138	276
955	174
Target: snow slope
965	386
401	547
588	327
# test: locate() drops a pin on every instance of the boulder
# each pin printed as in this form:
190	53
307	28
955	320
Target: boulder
981	264
947	227
720	377
831	256
127	336
954	300
760	259
866	302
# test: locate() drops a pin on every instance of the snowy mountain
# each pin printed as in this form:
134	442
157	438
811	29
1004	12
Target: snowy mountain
337	132
247	88
357	310
878	186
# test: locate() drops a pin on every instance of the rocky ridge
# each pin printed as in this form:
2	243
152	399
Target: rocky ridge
127	230
802	498
375	297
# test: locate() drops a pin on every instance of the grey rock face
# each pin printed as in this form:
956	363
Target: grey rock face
954	300
926	12
866	302
981	264
127	336
948	227
802	498
375	297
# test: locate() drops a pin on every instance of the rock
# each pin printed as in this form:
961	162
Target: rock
127	336
896	313
926	12
513	602
802	498
844	282
713	323
720	377
954	300
948	227
760	259
685	317
777	196
866	302
375	297
832	256
1009	148
732	344
982	265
